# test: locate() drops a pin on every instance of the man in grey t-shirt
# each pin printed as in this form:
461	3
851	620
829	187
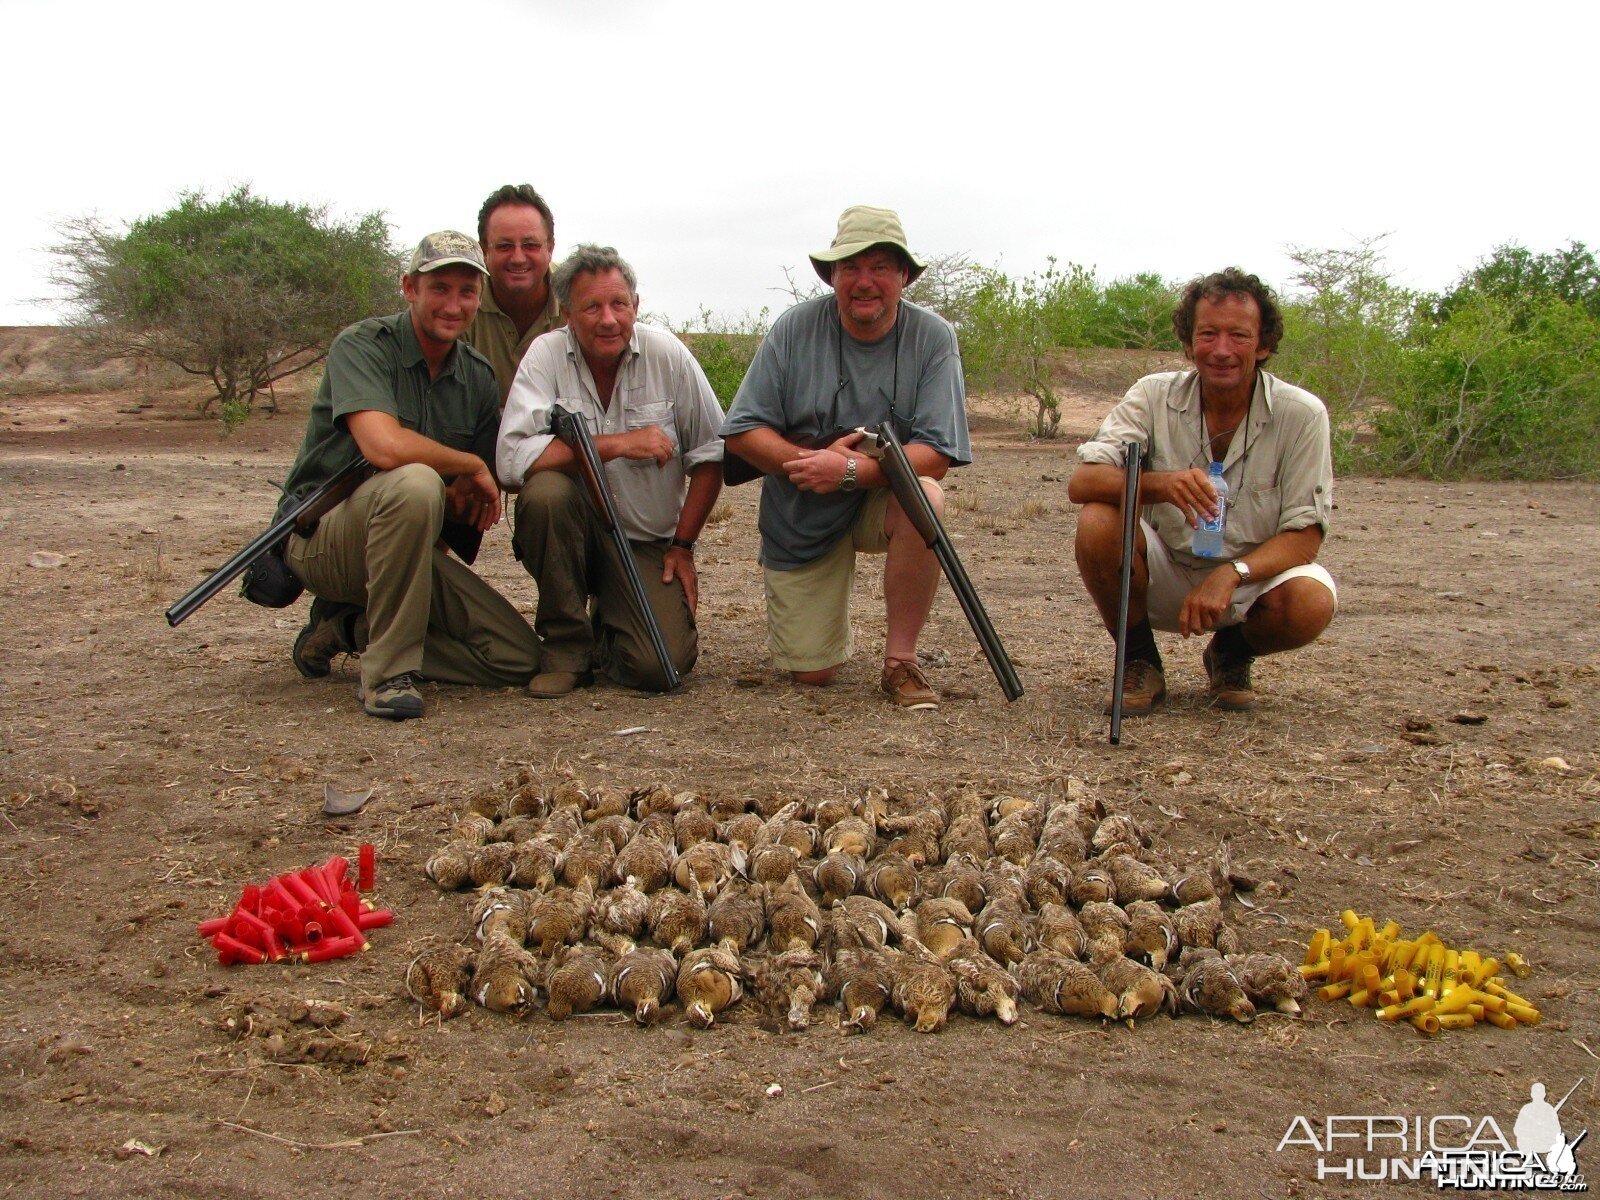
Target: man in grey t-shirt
860	356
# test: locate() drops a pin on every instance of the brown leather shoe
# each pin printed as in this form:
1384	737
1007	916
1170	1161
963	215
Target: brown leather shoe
1229	680
1143	687
552	685
908	687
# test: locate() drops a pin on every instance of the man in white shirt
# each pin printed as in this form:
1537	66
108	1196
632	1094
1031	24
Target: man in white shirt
655	421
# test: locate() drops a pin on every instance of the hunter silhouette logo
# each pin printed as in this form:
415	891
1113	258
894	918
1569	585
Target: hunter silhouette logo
1457	1151
1539	1134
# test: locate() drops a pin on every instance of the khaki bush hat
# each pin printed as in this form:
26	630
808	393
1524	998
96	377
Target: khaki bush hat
443	249
862	227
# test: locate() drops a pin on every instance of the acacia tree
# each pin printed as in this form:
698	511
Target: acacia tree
240	290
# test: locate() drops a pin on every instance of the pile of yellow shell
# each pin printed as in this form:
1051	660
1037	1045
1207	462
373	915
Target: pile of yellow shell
1422	981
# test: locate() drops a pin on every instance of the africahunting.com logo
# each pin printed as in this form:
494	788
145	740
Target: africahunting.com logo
1455	1151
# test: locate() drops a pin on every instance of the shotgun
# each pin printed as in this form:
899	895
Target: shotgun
301	517
907	489
1133	465
572	429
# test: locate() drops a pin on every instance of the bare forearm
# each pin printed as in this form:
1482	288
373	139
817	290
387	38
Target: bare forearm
705	485
1280	552
763	448
925	461
393	445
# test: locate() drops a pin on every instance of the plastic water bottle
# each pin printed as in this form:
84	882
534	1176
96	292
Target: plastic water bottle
1208	534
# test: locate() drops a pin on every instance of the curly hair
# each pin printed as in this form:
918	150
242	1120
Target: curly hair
514	193
1217	286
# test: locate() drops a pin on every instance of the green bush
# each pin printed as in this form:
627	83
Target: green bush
1503	388
724	348
239	290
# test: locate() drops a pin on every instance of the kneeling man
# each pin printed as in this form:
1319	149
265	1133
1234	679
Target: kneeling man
654	419
1267	593
420	406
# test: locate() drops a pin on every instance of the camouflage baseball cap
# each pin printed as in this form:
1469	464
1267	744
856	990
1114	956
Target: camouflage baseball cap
443	249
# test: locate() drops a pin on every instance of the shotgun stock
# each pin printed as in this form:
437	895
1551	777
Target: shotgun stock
301	517
1133	465
572	429
908	490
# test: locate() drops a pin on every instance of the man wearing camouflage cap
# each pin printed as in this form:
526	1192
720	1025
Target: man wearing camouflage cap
857	357
423	408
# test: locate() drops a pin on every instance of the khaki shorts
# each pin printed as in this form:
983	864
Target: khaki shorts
1171	582
808	608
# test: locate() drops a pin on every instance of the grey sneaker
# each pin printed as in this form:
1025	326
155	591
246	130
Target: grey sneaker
1229	680
397	698
328	633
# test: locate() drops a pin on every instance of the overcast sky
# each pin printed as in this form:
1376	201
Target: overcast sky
715	143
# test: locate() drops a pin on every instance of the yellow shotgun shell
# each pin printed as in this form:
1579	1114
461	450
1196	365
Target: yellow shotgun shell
1456	1020
1410	1008
1425	1023
1519	965
1335	991
1501	1019
1318	949
1525	1014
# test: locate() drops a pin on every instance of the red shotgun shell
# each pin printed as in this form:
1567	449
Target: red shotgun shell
367	867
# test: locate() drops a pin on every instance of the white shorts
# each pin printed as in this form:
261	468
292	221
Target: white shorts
1171	582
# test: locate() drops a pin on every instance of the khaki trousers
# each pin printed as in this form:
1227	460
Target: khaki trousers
563	545
426	611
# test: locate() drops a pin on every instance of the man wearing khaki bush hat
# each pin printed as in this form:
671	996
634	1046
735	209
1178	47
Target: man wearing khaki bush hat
858	357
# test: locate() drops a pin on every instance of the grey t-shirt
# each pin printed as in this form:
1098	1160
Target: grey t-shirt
810	377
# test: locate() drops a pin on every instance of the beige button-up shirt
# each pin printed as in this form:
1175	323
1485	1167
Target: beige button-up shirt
1279	464
658	383
494	335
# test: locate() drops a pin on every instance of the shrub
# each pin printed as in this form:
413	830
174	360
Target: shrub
240	290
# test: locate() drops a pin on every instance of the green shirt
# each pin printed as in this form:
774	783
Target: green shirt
377	365
494	335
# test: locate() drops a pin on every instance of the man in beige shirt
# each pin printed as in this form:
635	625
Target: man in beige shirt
1266	593
654	419
517	234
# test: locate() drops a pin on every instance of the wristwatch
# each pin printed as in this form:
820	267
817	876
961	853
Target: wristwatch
848	483
683	544
1243	568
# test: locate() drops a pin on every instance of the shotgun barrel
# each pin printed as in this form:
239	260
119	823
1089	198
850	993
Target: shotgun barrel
908	490
302	515
572	429
1133	465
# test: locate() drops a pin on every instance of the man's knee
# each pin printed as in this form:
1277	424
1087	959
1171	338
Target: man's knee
1099	536
546	492
896	522
414	490
1297	608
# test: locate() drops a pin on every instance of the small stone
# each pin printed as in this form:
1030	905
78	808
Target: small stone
1556	763
47	560
774	1089
1470	718
494	1105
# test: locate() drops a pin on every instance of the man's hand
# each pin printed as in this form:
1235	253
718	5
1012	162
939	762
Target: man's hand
646	442
474	499
819	470
678	563
1208	603
1190	492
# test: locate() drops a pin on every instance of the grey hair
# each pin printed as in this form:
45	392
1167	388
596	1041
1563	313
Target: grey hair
589	257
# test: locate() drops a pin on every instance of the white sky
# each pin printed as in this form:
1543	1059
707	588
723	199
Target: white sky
715	143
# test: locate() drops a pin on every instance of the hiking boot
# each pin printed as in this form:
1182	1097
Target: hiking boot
328	633
908	687
1143	687
397	698
552	685
1229	687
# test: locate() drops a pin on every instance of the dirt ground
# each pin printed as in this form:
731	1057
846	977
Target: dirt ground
148	773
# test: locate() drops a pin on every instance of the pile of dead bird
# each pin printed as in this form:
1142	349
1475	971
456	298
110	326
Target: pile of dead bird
602	896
